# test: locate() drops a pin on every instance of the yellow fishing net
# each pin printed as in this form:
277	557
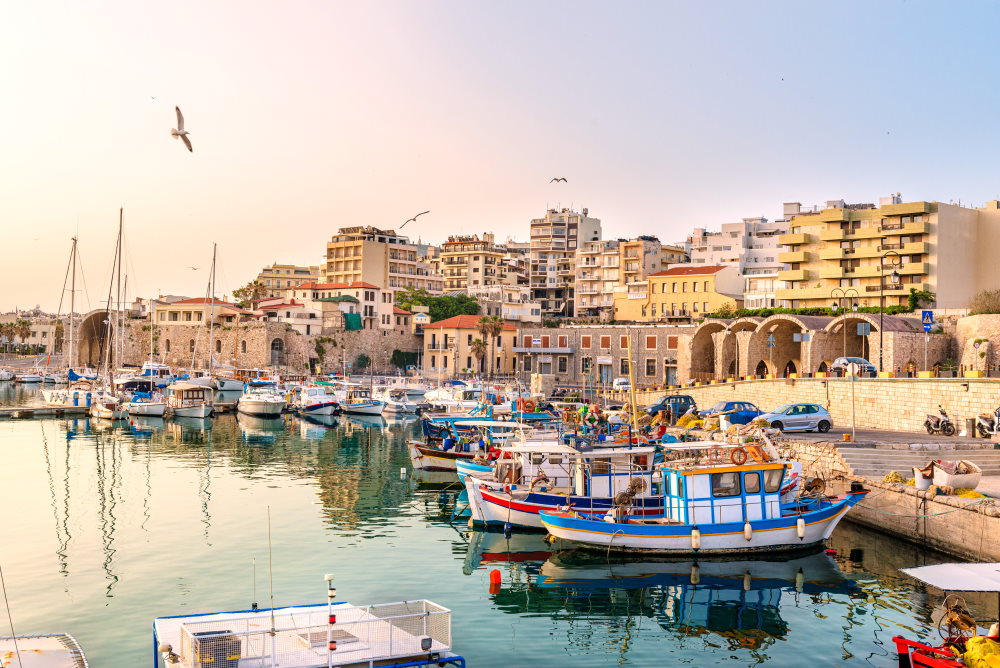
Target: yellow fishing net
982	652
893	477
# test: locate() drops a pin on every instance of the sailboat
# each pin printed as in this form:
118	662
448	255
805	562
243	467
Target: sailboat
104	402
209	378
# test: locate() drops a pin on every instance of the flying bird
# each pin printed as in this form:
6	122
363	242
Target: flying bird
413	219
560	178
180	131
194	268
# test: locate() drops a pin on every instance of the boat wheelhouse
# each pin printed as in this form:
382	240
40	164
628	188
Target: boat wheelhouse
359	401
190	400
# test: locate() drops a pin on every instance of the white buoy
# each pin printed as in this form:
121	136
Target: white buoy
747	531
746	580
800	528
695	539
695	574
402	472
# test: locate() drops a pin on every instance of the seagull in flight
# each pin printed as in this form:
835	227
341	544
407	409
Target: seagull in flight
180	131
413	219
194	268
559	178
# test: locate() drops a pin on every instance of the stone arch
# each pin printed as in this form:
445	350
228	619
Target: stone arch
93	334
844	340
761	369
786	353
703	349
277	352
733	346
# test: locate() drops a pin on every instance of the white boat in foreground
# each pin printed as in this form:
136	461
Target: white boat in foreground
261	399
408	633
189	400
52	650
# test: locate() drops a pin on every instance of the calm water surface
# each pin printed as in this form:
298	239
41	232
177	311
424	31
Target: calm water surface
107	527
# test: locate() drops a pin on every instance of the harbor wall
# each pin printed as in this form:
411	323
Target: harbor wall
899	404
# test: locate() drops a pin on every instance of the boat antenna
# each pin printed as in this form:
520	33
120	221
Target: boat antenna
270	581
10	619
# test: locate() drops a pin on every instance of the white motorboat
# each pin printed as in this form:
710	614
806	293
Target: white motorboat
160	374
78	395
261	399
228	384
6	374
189	400
397	400
146	403
316	400
359	401
50	650
28	377
107	407
204	379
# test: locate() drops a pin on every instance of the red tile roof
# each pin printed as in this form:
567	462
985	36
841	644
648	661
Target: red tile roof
275	306
334	286
691	270
466	322
206	301
400	311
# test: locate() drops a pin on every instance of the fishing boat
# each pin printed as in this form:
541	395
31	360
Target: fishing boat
189	400
397	400
710	508
28	377
391	635
79	394
359	401
959	644
146	403
6	374
50	650
316	400
261	399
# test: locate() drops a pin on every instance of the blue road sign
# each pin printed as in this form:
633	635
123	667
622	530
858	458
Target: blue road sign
928	320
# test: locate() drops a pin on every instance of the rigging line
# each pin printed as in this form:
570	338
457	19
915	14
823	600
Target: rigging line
62	295
10	619
83	277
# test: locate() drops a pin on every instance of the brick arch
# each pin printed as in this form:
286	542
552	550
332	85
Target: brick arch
785	352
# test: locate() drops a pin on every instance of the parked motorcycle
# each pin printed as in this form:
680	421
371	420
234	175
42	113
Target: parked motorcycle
939	424
988	424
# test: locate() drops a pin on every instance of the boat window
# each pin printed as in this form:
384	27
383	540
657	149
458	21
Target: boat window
772	479
555	459
726	484
639	462
751	483
536	458
601	466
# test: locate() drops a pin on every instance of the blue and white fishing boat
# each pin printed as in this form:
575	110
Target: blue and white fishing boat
316	400
390	635
711	509
146	403
359	401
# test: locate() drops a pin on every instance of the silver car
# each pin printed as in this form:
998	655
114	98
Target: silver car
800	417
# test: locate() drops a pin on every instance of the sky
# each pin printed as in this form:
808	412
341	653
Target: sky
309	116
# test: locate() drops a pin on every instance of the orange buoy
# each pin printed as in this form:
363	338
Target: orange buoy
494	577
495	588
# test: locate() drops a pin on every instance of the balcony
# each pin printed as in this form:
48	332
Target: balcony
793	257
794	239
831	215
907	209
834	272
912	248
832	235
793	275
835	253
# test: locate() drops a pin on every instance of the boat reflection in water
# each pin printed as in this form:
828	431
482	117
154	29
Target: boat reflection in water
259	429
144	426
734	604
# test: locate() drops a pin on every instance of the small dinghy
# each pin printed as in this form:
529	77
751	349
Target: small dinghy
54	650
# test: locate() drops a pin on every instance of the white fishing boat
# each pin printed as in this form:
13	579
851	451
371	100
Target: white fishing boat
189	400
28	377
6	374
50	650
261	399
79	394
228	383
397	400
204	379
359	401
146	403
316	400
408	633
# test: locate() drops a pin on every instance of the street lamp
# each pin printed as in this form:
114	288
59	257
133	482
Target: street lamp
894	279
844	294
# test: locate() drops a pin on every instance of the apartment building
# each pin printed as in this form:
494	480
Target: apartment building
510	302
372	305
876	254
679	294
605	267
554	241
752	246
470	261
381	257
448	348
277	277
198	311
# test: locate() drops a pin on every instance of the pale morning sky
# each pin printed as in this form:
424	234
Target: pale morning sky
309	116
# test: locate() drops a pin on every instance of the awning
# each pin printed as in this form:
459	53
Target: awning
352	322
959	577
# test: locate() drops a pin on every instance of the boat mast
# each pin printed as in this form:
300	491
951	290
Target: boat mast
211	312
72	305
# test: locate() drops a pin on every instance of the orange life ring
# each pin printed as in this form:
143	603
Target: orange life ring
738	456
529	406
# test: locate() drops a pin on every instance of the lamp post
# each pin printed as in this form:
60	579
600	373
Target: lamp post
894	279
844	294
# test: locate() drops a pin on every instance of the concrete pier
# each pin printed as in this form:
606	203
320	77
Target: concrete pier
28	412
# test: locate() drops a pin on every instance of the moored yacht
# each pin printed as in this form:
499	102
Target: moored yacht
261	399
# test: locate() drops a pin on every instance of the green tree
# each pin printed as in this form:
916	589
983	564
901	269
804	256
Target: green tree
409	297
246	295
362	361
918	297
401	359
438	308
490	327
22	329
479	351
7	334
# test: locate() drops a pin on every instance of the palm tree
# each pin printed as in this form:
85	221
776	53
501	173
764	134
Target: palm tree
22	329
490	327
6	333
479	352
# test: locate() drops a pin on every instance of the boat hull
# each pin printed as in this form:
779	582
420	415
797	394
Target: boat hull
64	398
153	408
324	408
425	458
260	408
367	408
199	411
769	535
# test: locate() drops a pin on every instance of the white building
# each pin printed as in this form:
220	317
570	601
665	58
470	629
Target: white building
552	255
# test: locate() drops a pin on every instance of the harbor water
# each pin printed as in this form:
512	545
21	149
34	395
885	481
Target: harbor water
107	526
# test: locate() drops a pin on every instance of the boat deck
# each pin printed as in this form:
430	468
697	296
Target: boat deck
58	650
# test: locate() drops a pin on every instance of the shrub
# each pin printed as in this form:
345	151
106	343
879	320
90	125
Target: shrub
986	301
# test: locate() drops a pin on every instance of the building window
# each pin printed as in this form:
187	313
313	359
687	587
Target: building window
623	341
168	345
705	307
706	286
674	288
199	314
672	342
694	287
526	341
243	346
468	340
527	362
218	345
163	316
605	343
563	341
191	346
651	342
623	366
695	306
561	364
650	366
586	364
433	361
585	341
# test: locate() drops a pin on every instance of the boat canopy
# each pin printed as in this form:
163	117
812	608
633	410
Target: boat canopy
959	577
489	423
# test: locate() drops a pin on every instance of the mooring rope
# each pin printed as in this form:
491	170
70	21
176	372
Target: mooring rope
965	507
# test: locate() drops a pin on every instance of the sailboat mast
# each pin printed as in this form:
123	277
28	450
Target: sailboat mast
118	289
72	305
211	312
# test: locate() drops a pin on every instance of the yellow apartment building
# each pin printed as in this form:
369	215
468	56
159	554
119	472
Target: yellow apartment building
381	257
470	261
869	253
277	277
606	267
680	293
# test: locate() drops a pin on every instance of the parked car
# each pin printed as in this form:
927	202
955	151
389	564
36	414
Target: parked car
842	364
621	384
680	403
800	417
737	412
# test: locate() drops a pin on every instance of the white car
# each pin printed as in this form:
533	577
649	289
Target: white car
621	384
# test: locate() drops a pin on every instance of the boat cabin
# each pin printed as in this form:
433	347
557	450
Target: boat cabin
187	394
156	371
711	494
600	472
